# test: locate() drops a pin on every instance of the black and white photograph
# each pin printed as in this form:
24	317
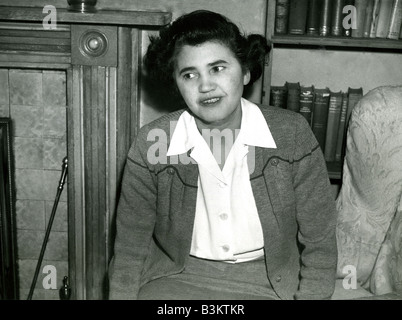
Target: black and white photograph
199	158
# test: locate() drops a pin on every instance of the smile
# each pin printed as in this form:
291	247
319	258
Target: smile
211	101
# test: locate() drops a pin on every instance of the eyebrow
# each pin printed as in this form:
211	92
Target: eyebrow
212	64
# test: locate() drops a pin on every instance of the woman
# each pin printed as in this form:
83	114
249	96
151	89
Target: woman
232	201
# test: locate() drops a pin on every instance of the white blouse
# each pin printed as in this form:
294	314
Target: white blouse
226	227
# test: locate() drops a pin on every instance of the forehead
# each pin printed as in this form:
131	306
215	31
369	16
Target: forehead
203	54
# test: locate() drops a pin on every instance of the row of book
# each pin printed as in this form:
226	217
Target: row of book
326	111
347	18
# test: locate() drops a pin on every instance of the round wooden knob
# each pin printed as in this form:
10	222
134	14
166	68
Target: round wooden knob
93	43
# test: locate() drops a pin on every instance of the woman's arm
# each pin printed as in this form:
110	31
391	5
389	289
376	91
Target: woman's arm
316	217
135	220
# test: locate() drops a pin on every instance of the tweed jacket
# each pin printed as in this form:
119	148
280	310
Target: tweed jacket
156	211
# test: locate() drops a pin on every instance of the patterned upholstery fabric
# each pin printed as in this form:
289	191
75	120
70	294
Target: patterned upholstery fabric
387	274
369	230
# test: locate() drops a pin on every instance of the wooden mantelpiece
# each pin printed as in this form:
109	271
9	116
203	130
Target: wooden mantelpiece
101	17
100	53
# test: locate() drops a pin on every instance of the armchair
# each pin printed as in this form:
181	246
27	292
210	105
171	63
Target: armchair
369	228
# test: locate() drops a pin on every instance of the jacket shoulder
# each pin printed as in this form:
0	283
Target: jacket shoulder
163	122
273	114
289	129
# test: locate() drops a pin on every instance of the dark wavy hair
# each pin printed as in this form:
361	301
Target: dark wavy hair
196	28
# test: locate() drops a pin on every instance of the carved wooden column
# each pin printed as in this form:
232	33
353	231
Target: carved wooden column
101	62
104	92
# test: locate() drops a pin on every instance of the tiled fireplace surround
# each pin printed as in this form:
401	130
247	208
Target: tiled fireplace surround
72	91
35	100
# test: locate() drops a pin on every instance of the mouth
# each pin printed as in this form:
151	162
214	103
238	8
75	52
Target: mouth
210	102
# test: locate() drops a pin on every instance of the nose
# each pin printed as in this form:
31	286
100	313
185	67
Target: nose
206	84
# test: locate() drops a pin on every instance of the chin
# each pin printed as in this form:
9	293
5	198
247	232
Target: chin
211	119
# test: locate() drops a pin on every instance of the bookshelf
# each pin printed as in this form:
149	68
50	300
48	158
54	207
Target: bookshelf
339	43
334	170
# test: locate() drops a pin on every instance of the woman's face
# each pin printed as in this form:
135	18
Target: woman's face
211	81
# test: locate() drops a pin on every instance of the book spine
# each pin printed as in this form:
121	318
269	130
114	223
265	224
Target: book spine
298	16
340	142
293	100
374	19
354	95
313	17
281	16
347	32
368	19
325	18
400	34
306	102
334	114
278	96
361	6
384	17
395	21
320	116
336	25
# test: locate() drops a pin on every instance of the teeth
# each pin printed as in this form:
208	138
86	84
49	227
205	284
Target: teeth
211	101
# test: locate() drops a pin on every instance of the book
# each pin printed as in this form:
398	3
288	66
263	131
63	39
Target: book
278	96
306	102
354	95
334	115
336	19
374	19
347	27
384	17
313	17
395	20
341	141
361	6
400	35
325	18
298	16
281	16
368	19
293	97
320	115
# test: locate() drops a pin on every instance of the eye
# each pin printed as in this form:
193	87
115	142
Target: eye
188	76
217	69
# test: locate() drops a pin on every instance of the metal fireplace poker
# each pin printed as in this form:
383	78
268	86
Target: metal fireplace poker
64	291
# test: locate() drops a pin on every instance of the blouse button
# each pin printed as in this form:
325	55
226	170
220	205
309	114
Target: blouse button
274	162
278	278
226	248
224	216
170	171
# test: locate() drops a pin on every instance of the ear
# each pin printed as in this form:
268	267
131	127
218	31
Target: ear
246	77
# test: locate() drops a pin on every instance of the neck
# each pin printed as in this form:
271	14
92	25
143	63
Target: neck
216	133
232	122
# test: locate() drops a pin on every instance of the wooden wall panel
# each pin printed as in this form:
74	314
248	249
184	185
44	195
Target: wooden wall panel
102	111
104	107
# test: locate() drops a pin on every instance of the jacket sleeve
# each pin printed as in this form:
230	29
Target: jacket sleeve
316	217
135	220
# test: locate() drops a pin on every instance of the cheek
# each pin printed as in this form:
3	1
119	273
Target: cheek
236	83
186	92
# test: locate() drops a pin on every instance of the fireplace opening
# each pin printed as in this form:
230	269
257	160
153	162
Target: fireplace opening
8	257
